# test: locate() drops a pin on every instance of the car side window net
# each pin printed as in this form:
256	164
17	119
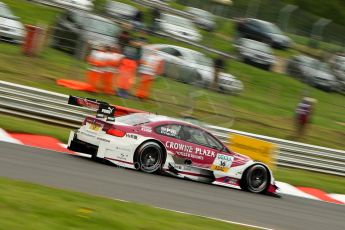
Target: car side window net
170	130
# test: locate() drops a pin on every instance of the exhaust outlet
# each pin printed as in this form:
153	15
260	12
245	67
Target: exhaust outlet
188	162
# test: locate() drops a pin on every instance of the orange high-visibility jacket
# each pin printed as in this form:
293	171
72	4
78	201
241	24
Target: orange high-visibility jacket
113	61
127	72
97	60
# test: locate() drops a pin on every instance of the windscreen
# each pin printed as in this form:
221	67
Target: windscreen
324	68
179	21
202	13
101	27
201	59
134	119
271	28
307	61
257	46
119	6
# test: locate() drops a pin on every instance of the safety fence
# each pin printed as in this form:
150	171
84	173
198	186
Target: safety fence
52	107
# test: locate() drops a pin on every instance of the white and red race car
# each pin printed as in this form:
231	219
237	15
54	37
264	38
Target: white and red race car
154	143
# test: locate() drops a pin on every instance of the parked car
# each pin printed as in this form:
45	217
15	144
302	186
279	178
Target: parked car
11	29
184	64
192	67
301	67
120	10
76	4
313	72
203	19
161	2
178	26
324	79
76	28
263	31
230	84
255	53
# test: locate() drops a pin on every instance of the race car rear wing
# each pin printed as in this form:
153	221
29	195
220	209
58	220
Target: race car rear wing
104	110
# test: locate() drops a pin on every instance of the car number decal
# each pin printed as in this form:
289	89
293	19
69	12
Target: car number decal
94	127
222	162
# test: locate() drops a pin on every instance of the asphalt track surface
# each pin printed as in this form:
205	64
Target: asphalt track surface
81	174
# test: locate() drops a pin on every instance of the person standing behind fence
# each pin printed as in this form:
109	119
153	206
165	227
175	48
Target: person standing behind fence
124	39
219	65
303	115
127	71
126	76
97	62
151	65
128	68
113	60
138	20
156	15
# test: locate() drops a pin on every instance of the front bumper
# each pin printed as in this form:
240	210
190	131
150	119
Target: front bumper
261	63
11	37
324	87
272	189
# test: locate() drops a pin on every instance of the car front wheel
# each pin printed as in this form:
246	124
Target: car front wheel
256	179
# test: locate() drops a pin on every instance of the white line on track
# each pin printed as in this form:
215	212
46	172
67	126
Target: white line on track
216	219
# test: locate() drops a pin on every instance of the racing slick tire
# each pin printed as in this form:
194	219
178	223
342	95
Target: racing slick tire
256	179
149	157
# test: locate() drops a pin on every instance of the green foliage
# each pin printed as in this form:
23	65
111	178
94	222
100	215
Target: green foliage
297	177
21	125
32	13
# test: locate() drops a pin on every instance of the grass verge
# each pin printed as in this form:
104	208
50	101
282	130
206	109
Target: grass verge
328	183
33	13
21	125
297	177
41	207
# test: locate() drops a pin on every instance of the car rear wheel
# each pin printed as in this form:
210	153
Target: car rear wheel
150	157
256	179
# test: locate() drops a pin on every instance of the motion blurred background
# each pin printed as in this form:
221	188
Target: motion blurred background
275	53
